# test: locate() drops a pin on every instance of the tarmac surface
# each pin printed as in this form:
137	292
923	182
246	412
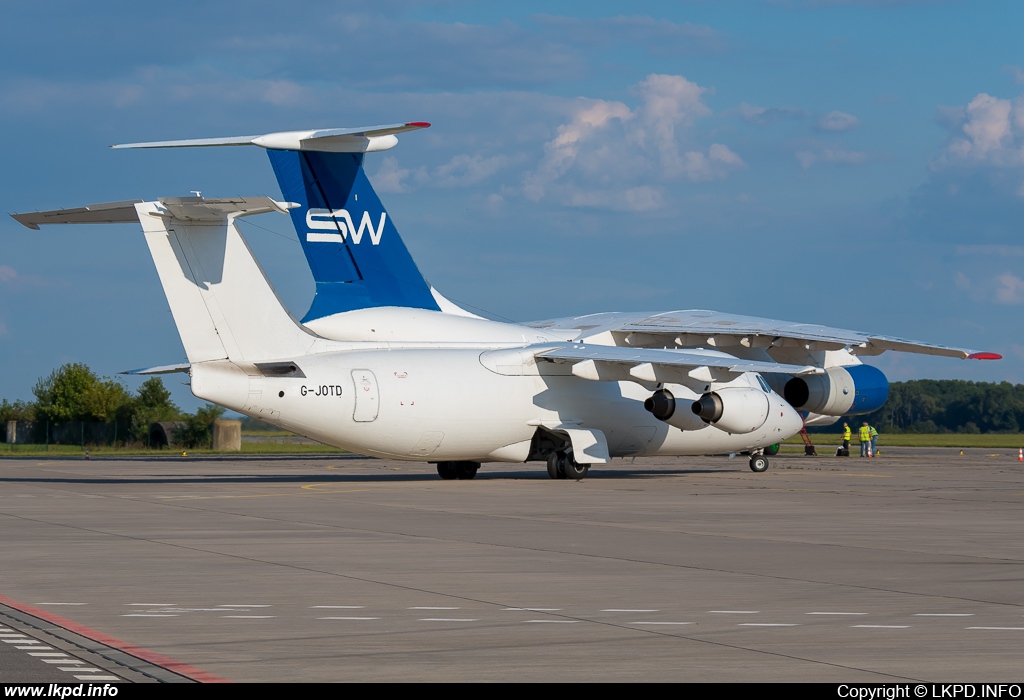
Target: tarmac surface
906	567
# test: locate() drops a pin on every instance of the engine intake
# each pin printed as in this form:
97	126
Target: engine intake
662	405
841	391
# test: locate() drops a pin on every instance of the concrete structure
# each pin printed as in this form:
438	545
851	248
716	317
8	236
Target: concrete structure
227	435
166	433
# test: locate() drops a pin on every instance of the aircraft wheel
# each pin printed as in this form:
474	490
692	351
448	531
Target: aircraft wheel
556	465
574	470
447	470
758	463
466	470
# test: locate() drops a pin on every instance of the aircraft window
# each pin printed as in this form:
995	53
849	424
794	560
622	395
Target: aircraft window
764	384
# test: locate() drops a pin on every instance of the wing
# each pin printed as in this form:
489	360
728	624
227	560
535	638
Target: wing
743	336
612	363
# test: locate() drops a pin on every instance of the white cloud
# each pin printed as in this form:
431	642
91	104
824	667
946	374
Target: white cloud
990	132
835	156
838	121
464	170
753	114
656	35
1001	251
461	171
1009	289
605	154
389	176
7	273
1006	288
1017	72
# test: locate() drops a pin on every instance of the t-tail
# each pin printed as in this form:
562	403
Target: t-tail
353	249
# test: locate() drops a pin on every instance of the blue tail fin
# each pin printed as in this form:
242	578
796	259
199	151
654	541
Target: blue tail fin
354	251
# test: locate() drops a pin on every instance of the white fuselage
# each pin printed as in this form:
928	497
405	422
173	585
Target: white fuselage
420	399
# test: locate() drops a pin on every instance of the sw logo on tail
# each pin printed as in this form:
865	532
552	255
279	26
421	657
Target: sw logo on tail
339	223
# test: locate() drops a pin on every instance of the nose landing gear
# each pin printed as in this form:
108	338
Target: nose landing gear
758	463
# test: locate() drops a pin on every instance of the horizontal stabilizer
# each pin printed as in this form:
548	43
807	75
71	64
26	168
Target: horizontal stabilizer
360	139
107	213
188	209
162	369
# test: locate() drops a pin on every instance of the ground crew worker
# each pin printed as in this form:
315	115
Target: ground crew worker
846	439
865	438
874	441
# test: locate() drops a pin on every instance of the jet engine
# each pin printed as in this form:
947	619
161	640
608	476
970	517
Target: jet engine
733	410
663	406
841	391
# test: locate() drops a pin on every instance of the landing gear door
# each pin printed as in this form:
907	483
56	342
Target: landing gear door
367	399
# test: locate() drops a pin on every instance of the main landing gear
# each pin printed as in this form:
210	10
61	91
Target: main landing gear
563	466
457	470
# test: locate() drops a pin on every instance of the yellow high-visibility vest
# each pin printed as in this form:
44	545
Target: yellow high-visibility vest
865	434
846	433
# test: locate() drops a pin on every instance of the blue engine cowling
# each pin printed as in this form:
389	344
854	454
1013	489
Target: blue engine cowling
840	391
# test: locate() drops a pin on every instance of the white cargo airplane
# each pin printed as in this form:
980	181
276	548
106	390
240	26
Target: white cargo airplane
384	365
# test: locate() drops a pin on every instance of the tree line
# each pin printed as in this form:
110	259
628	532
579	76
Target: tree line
73	393
949	406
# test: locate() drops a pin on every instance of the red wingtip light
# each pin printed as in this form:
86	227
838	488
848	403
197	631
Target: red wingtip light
984	356
421	125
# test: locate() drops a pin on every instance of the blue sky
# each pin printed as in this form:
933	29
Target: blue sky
856	164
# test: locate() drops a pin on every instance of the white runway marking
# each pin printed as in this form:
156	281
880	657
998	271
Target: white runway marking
531	609
37	647
996	628
245	606
340	607
47	653
248	617
79	668
428	607
61	661
943	614
627	610
449	619
735	612
767	624
883	627
348	618
153	605
149	615
836	613
644	622
564	622
97	678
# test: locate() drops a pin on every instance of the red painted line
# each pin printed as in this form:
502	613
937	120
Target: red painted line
136	651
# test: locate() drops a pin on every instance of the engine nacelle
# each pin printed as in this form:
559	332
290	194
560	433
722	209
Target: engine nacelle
663	406
841	391
733	410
